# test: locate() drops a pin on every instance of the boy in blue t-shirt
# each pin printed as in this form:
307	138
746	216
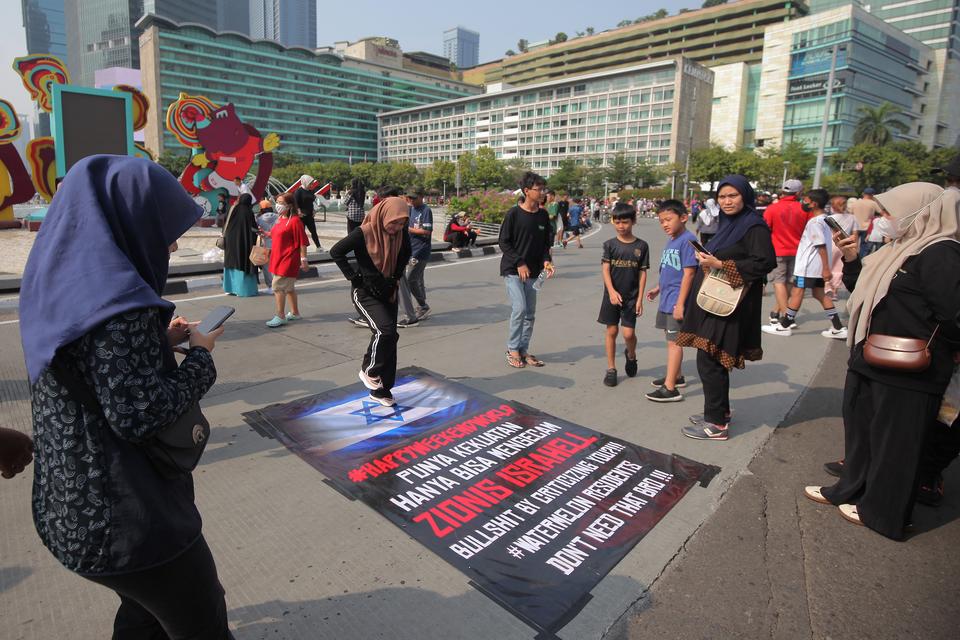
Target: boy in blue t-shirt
625	261
678	264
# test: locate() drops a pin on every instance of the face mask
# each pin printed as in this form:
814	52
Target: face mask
281	208
806	207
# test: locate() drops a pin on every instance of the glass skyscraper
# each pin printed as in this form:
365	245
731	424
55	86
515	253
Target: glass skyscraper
292	23
461	47
100	35
46	32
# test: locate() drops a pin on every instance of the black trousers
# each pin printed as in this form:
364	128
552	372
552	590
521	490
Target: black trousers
351	225
380	360
884	429
311	226
942	448
179	600
716	388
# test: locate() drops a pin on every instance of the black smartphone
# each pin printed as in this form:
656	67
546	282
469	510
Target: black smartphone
215	318
699	247
833	224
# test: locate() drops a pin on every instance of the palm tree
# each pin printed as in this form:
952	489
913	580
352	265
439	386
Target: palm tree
875	124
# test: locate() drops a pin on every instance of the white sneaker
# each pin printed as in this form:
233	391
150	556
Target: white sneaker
838	334
370	383
777	330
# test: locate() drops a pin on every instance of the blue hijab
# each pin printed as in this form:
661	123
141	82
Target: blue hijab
732	228
102	250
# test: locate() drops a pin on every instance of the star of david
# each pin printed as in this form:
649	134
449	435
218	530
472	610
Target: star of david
395	412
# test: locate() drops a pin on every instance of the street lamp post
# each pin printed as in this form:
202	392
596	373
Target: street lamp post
826	118
673	182
786	165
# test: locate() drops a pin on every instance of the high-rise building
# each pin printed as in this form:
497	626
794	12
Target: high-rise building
46	31
655	112
233	15
100	35
337	101
462	47
183	11
722	34
292	23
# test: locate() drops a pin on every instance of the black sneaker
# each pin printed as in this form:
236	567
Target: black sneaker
774	317
611	378
659	382
404	323
383	396
359	322
833	468
664	395
706	431
423	313
630	368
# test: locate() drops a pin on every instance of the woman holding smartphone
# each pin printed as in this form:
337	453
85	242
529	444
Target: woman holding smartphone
92	316
743	252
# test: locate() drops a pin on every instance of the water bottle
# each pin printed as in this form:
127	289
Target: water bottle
538	284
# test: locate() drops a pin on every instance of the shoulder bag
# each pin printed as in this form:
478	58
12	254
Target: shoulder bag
220	242
174	451
910	355
717	296
259	254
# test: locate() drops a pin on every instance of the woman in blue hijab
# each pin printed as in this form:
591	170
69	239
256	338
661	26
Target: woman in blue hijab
91	316
742	250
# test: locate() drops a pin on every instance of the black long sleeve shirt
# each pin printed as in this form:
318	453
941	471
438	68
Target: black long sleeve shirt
924	293
354	243
525	239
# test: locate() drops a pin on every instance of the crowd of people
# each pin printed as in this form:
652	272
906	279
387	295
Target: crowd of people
112	356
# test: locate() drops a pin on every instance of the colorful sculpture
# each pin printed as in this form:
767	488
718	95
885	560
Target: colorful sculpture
224	149
141	105
15	185
39	72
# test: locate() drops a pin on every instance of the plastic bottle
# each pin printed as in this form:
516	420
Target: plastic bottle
540	280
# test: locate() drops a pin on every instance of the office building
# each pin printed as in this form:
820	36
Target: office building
656	111
461	47
386	52
233	15
875	63
322	105
44	25
183	11
723	34
292	23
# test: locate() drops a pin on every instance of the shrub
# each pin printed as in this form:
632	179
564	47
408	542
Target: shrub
487	206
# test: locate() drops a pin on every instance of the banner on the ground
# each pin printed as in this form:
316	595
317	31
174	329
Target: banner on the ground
534	509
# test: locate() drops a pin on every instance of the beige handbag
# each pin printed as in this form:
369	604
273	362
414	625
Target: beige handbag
259	254
717	296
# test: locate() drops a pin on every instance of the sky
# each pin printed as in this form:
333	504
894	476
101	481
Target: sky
417	24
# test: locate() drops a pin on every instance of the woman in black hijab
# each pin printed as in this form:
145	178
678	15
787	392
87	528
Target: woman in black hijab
239	236
742	250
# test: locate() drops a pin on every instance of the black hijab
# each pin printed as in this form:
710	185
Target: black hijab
733	227
240	236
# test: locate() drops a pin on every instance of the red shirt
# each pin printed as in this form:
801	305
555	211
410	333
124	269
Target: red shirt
786	219
287	236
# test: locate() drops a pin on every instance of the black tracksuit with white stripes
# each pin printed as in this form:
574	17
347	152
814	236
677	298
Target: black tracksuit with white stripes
380	360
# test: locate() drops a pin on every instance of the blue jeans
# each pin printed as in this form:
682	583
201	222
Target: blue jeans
523	309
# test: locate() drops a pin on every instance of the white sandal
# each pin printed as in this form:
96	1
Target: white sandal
814	493
850	514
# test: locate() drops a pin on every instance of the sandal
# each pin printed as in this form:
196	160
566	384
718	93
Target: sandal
515	361
532	360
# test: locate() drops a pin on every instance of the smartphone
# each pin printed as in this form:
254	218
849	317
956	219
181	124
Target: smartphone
833	224
215	318
699	247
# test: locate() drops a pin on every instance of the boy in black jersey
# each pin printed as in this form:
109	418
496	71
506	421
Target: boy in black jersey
626	259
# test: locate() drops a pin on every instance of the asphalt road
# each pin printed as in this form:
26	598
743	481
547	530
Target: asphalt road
300	561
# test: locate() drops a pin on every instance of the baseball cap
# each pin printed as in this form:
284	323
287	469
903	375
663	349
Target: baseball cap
792	186
869	191
415	192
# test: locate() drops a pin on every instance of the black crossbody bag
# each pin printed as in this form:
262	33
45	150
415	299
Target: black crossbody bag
174	451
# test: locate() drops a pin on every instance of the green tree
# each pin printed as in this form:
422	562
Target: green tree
513	170
713	3
589	31
282	159
710	164
566	178
439	173
647	173
403	175
510	52
489	170
173	162
560	37
467	163
625	23
621	172
882	166
875	124
593	177
336	171
522	45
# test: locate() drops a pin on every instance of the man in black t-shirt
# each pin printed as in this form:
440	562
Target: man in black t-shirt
525	240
